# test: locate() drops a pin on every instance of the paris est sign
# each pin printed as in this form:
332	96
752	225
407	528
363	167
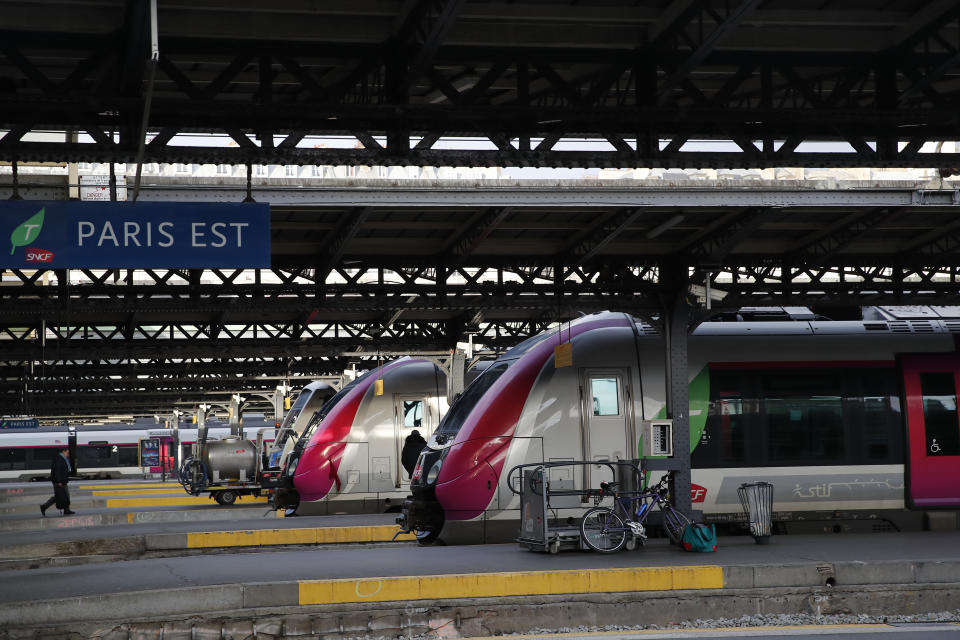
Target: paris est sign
61	235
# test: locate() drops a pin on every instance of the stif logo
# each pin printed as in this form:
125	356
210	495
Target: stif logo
27	231
39	255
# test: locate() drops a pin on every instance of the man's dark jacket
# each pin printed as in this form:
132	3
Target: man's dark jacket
59	470
412	447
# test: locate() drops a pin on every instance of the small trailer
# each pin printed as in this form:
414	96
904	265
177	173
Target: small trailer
226	468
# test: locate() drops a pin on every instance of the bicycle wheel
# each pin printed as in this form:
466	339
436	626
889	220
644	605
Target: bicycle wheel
602	530
674	523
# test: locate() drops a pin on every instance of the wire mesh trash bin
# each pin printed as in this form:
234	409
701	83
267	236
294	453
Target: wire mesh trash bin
757	501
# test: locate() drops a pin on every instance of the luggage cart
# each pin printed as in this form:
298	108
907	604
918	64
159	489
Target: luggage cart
540	532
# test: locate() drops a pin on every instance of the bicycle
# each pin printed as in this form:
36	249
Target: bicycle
606	529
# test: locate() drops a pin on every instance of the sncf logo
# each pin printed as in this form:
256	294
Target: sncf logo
39	255
697	493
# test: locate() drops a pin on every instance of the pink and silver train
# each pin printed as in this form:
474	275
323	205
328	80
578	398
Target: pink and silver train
850	420
348	456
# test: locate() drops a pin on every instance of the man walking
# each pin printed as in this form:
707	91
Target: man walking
60	475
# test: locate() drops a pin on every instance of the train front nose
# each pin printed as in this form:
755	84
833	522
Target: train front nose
421	512
316	473
448	486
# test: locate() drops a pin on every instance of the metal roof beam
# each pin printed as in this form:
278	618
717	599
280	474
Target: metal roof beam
725	24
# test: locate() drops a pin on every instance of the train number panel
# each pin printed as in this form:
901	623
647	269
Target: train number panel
931	385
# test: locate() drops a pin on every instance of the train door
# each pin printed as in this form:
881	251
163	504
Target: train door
931	385
606	428
413	413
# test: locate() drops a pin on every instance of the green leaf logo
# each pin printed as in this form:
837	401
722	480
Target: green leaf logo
27	232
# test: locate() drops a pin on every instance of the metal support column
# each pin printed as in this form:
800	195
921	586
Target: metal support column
279	394
455	372
234	415
675	281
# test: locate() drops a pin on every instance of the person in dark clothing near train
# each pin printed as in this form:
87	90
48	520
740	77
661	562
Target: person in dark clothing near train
60	476
412	447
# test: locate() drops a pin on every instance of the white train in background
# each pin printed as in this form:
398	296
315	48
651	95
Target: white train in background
103	451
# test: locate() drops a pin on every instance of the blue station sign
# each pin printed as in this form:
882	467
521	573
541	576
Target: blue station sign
63	235
19	423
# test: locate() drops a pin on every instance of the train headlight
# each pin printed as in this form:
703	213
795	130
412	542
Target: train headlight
434	471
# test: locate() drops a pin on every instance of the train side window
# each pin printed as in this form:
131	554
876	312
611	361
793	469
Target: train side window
42	457
728	425
876	445
805	430
93	455
127	455
606	396
940	414
13	459
722	443
804	418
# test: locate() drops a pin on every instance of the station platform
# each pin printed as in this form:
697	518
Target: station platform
301	580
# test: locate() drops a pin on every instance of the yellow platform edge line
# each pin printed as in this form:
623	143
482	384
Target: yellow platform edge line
141	485
167	502
481	585
267	537
136	492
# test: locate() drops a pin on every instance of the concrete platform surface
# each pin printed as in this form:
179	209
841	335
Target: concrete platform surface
820	572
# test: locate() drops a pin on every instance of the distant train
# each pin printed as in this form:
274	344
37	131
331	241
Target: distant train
100	451
234	467
848	419
349	454
310	400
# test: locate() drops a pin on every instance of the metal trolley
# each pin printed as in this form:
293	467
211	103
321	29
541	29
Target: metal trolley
541	532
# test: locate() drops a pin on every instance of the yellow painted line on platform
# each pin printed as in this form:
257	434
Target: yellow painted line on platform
136	492
172	502
267	537
523	583
140	485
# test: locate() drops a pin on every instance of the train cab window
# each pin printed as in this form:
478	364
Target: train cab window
606	396
13	459
295	410
451	423
412	413
940	414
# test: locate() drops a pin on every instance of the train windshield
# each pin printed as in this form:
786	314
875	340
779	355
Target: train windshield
451	423
297	407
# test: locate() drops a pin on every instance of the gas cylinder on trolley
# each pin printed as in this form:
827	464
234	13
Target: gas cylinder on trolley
231	459
226	468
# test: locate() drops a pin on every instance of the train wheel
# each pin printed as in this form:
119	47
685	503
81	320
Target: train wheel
429	532
428	537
